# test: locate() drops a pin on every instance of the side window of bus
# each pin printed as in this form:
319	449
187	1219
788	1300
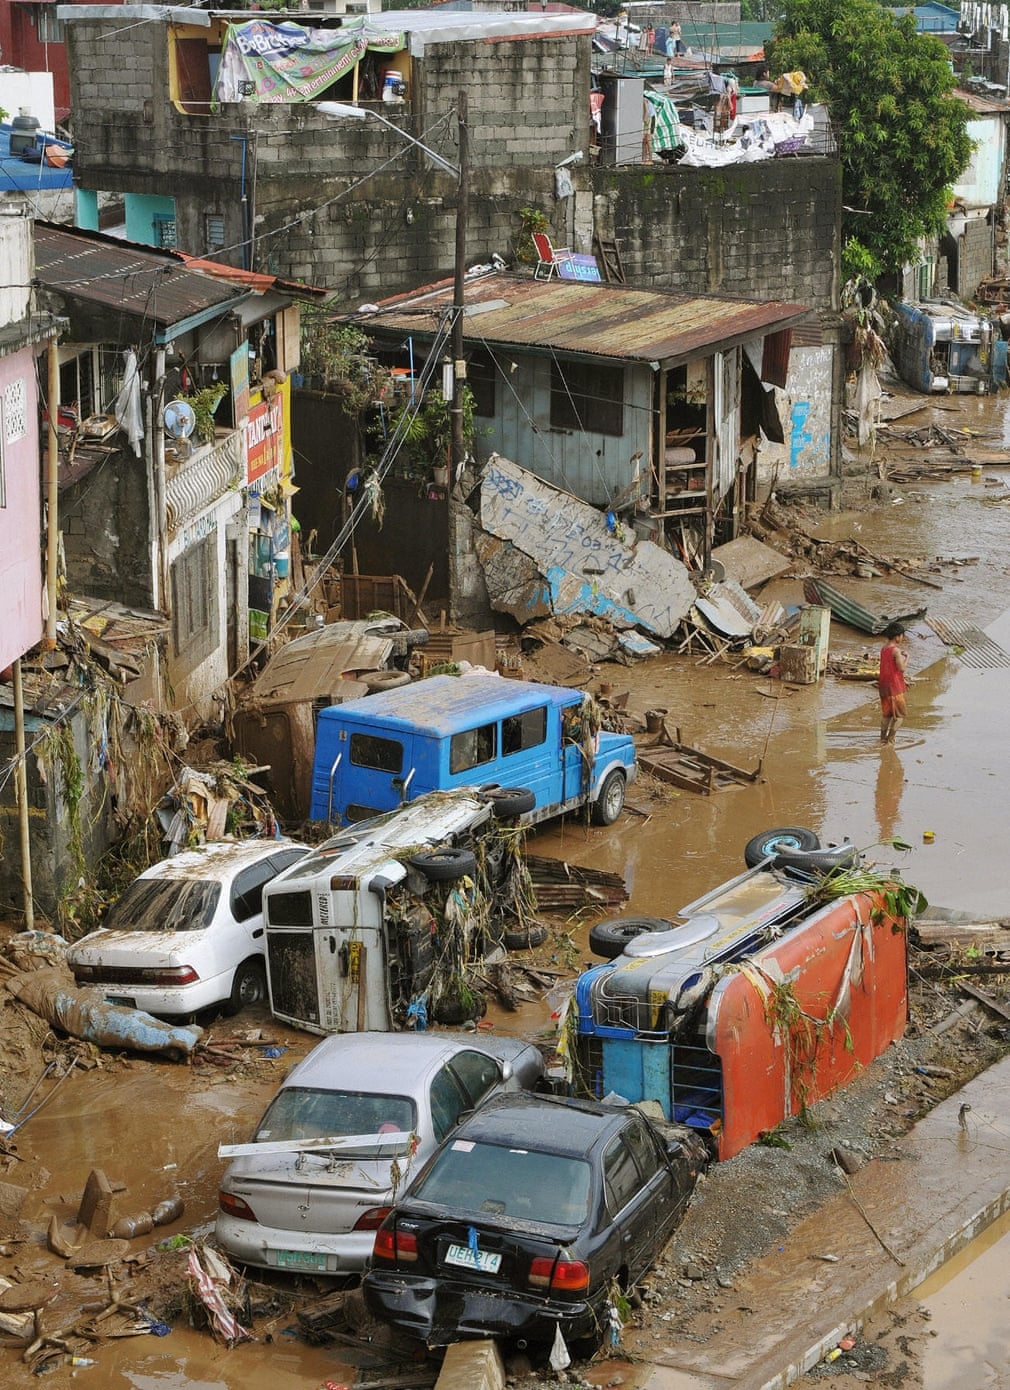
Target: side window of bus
472	747
526	730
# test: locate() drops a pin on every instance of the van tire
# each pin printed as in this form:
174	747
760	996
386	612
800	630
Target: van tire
249	986
384	680
509	802
444	865
610	802
609	937
534	935
770	842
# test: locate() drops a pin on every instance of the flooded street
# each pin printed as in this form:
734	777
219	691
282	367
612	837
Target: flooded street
156	1127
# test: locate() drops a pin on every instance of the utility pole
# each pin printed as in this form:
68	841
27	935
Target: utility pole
458	364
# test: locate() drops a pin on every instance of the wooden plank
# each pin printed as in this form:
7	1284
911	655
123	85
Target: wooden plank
986	1000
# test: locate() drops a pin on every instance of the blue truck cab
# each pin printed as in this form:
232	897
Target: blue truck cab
478	729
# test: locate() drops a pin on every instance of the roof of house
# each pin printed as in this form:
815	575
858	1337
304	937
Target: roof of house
137	280
585	320
165	287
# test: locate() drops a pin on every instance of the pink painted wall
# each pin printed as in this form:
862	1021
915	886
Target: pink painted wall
21	625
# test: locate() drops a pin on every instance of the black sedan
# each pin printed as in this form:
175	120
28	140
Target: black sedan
522	1219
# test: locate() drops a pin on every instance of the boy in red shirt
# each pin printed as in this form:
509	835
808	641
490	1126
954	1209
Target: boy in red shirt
891	684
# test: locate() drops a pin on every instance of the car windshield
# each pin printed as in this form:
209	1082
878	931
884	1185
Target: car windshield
165	904
520	1183
299	1112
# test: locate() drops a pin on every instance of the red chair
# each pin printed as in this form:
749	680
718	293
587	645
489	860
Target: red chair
551	257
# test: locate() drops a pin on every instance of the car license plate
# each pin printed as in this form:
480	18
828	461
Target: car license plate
301	1259
482	1260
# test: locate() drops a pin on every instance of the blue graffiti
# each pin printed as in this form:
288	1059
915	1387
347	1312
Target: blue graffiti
801	436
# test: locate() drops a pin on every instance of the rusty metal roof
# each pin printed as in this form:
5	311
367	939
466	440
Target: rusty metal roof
126	277
586	320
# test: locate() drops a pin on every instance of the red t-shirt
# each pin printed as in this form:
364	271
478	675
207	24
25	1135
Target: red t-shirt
892	677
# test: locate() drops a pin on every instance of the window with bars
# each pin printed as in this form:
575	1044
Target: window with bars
481	377
50	27
194	600
213	230
587	397
165	231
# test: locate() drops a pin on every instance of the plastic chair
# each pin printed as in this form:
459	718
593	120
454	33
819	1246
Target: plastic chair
550	256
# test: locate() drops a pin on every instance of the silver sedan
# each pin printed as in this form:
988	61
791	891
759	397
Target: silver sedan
349	1126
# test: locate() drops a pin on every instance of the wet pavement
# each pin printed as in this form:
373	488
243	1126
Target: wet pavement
823	767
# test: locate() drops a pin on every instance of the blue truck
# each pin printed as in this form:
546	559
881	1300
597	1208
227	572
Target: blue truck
477	729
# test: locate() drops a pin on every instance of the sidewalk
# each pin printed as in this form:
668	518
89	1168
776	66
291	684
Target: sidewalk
948	1186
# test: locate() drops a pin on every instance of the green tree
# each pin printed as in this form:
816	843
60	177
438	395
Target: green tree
902	135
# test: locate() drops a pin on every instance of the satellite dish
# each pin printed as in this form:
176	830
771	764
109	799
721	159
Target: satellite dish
179	419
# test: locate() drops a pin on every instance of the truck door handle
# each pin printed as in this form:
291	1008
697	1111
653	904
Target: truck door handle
403	783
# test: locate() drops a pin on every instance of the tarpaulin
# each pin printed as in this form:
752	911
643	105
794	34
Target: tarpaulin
287	62
665	122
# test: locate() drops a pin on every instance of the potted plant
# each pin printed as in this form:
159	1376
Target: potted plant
205	402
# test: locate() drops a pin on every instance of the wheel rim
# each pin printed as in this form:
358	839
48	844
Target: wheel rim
778	843
615	798
249	988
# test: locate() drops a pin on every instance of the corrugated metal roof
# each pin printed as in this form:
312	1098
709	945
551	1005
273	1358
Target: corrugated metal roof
123	276
587	320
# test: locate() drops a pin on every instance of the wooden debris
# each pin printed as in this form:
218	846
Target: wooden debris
978	934
691	768
560	886
99	1252
987	1001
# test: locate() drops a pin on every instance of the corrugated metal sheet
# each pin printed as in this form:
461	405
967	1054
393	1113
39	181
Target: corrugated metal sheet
125	277
607	321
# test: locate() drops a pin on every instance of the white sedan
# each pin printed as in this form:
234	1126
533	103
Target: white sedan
348	1127
188	933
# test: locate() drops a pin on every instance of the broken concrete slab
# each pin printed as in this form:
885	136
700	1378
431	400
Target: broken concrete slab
749	561
95	1210
578	564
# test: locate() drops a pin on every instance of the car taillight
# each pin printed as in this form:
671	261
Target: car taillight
372	1219
235	1206
558	1274
391	1244
173	975
168	976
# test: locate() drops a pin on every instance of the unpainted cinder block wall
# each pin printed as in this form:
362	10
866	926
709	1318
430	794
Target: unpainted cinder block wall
767	230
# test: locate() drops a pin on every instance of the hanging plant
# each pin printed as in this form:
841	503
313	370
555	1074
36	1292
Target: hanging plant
374	498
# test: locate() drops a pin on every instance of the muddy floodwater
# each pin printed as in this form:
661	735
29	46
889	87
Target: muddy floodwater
157	1127
969	1343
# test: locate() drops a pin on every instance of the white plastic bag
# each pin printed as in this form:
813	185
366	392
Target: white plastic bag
560	1357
